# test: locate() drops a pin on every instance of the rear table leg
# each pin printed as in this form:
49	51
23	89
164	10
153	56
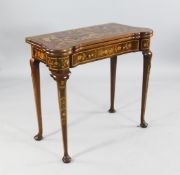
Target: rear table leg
113	63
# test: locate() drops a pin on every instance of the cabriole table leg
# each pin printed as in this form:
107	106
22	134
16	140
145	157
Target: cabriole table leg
147	55
36	86
113	63
61	80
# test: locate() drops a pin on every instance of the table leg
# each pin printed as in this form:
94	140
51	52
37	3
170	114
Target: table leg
113	63
36	85
147	55
61	87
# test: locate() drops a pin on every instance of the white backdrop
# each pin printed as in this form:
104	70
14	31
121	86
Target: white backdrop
99	144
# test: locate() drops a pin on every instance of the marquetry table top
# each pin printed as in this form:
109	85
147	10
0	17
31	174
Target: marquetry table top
77	38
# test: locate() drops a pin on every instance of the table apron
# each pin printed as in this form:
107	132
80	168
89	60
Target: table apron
104	52
90	55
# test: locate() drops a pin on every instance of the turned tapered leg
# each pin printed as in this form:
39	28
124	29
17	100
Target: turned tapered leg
146	72
113	63
36	85
61	87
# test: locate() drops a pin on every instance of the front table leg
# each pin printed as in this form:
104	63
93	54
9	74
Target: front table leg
147	55
61	87
36	85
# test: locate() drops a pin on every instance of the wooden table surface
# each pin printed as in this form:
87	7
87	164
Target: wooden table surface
76	38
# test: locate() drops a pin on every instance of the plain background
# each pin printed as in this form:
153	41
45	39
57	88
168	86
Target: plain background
100	143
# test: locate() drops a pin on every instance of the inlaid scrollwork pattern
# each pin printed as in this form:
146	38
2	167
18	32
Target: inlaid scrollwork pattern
145	44
61	86
103	52
39	55
53	63
58	63
62	99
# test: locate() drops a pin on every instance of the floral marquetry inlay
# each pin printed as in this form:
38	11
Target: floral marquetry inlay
103	52
58	63
66	40
40	55
145	44
54	64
